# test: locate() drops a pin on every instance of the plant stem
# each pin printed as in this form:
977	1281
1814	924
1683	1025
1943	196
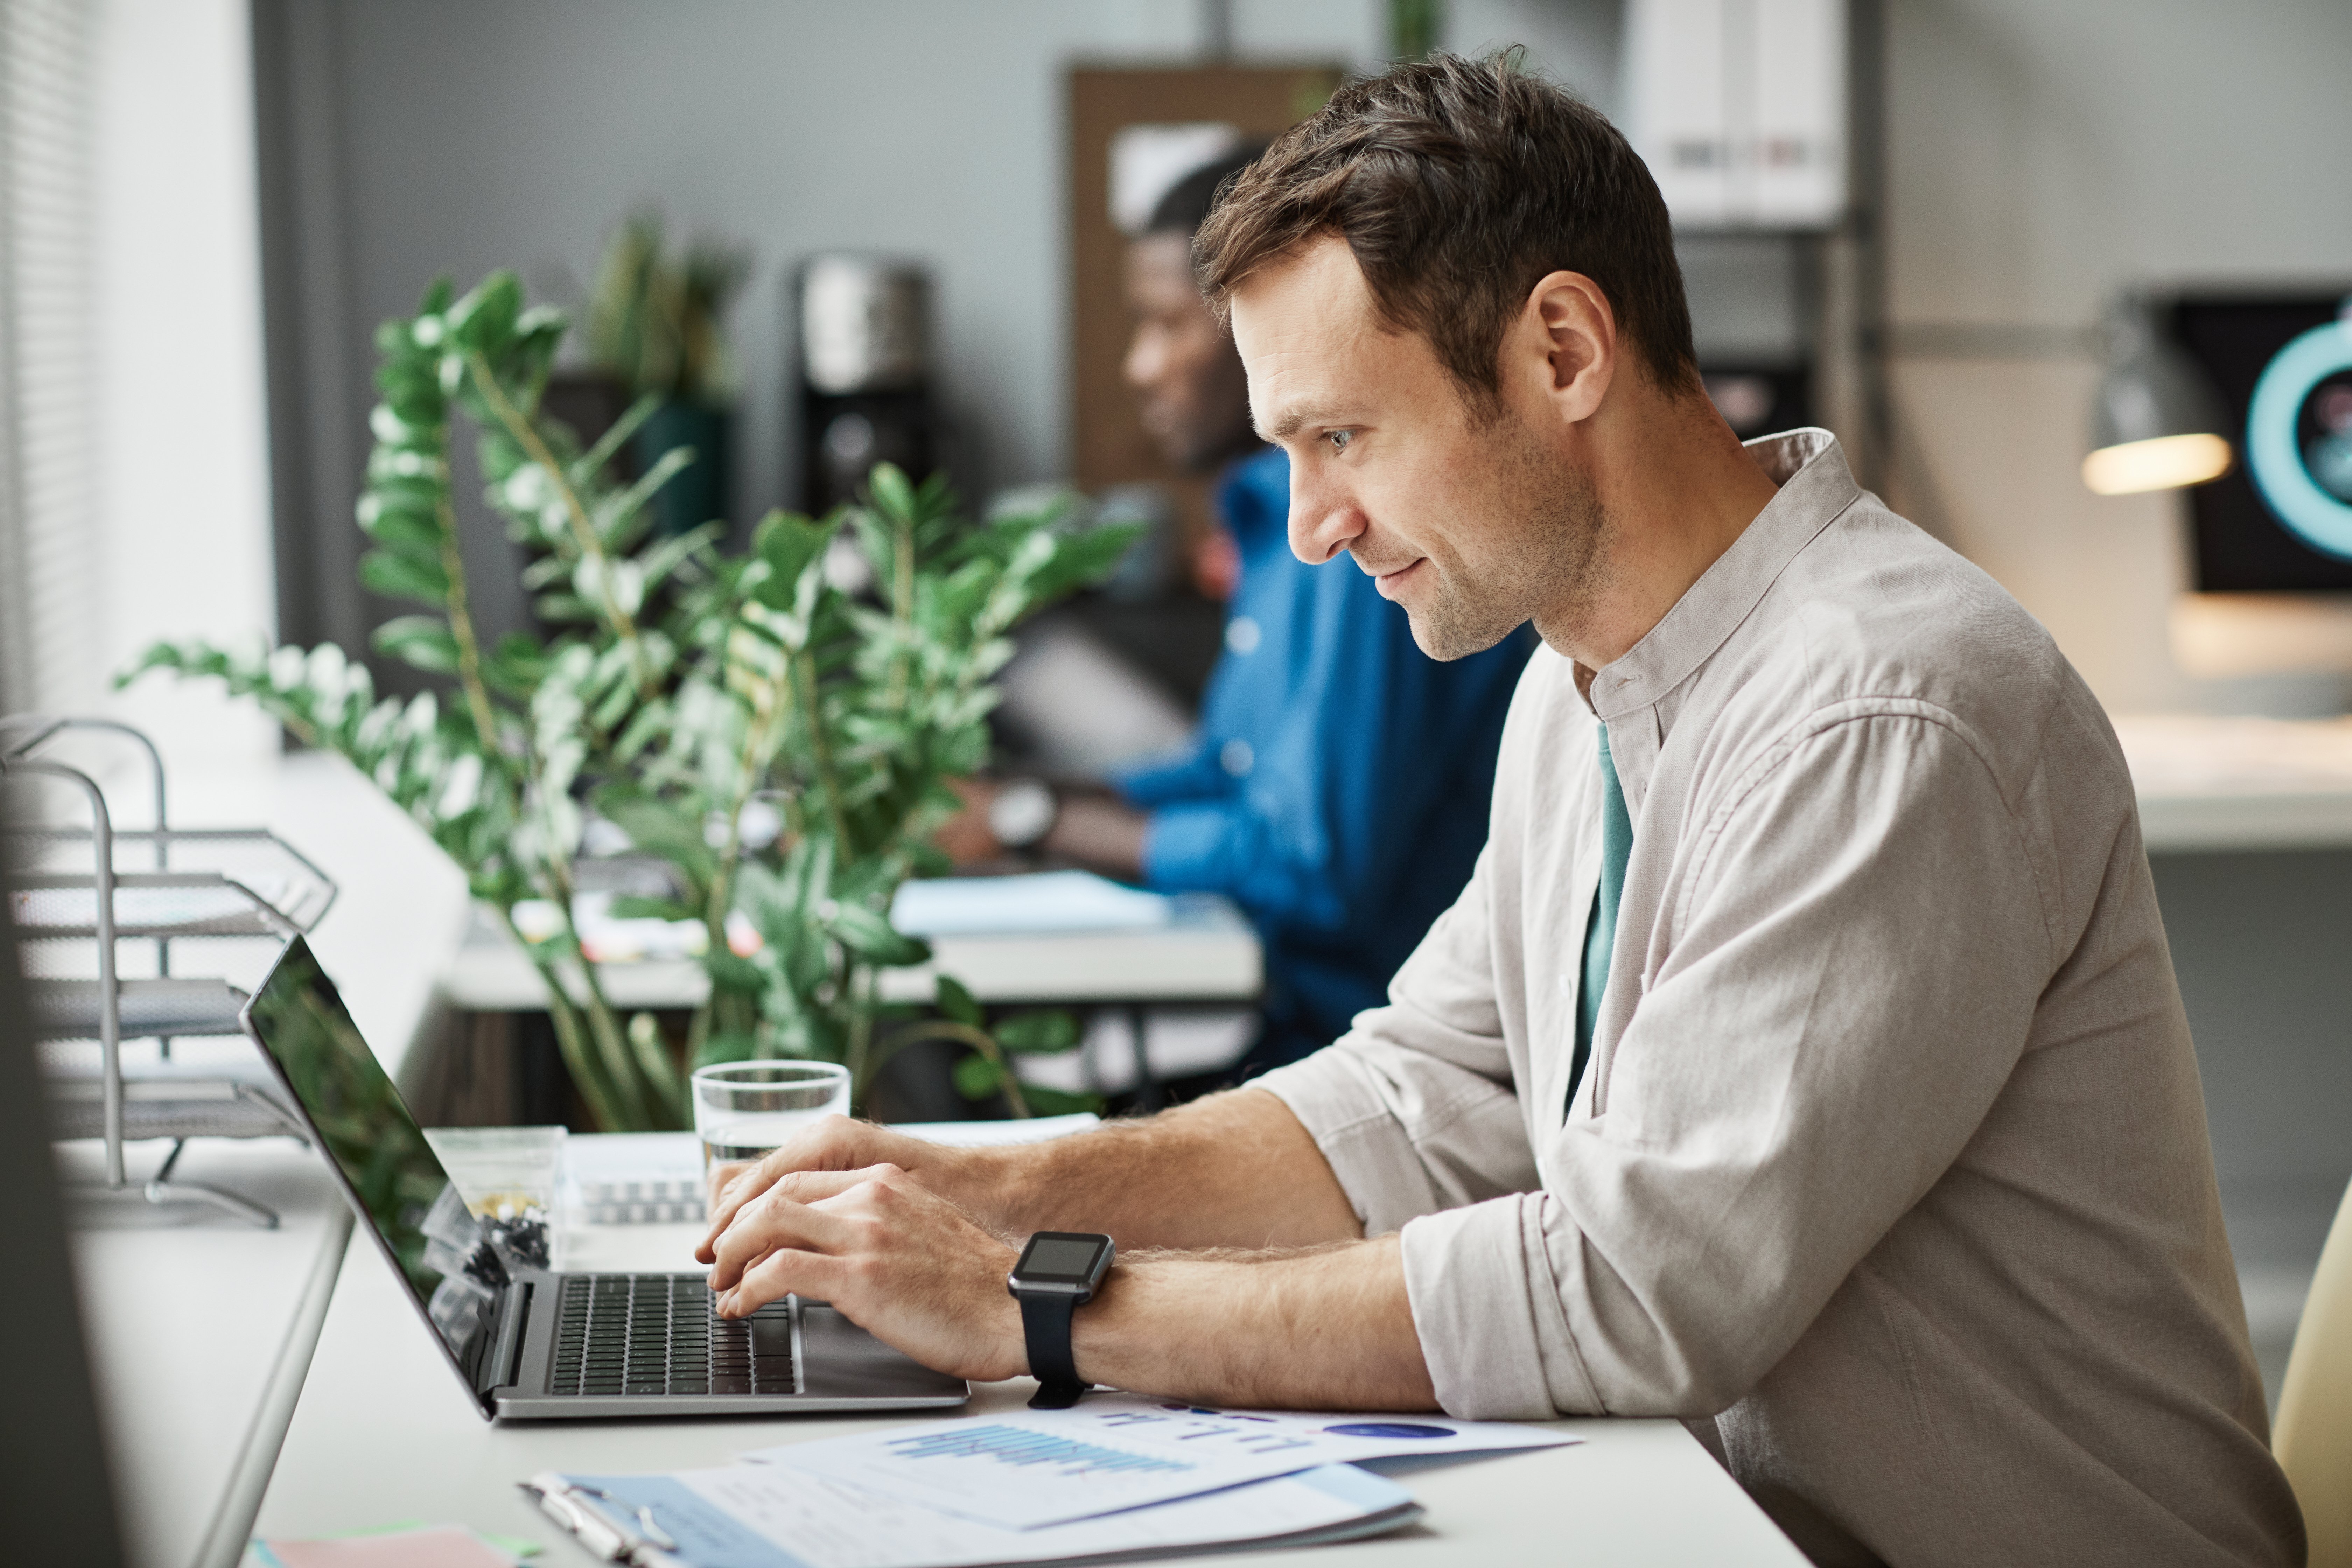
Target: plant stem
979	1041
653	1061
632	1094
461	628
584	530
568	1040
821	755
861	1029
643	1116
902	610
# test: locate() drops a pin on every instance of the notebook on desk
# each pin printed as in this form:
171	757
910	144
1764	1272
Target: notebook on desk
528	1341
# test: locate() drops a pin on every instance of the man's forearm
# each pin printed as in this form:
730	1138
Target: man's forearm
1106	835
1326	1328
1234	1169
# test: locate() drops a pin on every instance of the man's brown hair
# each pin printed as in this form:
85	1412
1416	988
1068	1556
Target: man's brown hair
1458	184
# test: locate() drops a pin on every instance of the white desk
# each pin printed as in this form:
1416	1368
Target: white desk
385	1432
201	1327
2207	783
382	1432
1208	954
200	1333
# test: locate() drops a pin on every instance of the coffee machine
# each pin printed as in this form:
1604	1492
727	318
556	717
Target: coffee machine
866	374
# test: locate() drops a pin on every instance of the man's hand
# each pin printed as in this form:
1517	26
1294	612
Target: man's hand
833	1143
1329	1327
966	836
897	1233
900	1262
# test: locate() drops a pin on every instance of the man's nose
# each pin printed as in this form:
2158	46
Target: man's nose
1143	365
1324	520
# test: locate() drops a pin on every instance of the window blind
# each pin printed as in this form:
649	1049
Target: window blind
49	597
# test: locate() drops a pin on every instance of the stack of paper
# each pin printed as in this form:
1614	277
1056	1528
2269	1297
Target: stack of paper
1037	903
1119	1475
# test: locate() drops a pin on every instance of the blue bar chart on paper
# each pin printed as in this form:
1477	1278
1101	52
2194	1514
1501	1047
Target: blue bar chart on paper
1012	1445
1116	1451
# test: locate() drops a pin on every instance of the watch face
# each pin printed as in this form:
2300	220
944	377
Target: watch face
1021	814
1059	1257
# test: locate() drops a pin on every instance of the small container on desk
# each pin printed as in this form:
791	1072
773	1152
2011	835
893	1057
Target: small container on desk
510	1178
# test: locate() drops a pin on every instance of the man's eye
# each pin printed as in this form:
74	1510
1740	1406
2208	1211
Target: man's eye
1339	438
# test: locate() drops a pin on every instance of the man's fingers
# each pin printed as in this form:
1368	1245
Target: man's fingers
779	1274
780	1220
793	1186
830	1143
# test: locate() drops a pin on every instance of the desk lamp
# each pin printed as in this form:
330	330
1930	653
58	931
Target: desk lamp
2156	425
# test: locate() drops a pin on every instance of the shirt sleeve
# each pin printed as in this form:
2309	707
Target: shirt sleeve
1414	1107
1370	735
1850	970
1192	773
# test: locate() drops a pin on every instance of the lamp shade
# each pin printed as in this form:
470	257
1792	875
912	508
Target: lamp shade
2155	424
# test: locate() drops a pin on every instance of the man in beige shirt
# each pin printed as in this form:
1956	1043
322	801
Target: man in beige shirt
1803	1059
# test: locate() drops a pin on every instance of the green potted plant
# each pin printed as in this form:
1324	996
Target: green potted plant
680	685
655	327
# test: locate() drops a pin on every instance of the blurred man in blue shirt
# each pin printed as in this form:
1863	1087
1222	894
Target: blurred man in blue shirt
1336	788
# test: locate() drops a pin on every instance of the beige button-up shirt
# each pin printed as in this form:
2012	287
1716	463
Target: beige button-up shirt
1889	1174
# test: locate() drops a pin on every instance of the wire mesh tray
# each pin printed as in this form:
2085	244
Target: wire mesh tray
200	882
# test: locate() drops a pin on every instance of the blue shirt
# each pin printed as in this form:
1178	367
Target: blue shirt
1337	789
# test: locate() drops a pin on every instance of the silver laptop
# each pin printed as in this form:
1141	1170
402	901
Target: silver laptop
529	1341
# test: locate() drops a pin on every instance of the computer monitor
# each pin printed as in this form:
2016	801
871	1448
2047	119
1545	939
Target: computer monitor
2280	364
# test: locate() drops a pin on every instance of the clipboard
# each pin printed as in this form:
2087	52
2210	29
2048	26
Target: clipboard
603	1524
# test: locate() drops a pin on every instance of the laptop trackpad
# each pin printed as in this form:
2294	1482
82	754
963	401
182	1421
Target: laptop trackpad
841	1361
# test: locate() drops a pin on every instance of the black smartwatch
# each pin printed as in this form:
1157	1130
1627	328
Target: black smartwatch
1059	1272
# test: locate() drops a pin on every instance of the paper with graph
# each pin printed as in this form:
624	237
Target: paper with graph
1116	1451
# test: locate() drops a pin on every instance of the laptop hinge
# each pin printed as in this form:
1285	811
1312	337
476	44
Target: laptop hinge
500	1366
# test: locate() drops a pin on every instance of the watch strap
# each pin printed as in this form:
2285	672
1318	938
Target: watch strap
1045	1324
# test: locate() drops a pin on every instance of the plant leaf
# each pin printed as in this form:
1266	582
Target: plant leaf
977	1078
398	578
421	642
955	1002
1041	1033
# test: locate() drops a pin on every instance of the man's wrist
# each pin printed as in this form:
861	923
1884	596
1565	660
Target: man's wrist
988	1184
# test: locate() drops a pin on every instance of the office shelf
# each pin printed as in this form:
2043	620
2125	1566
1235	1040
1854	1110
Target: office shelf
161	1009
93	891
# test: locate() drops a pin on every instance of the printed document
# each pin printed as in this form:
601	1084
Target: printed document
1116	1451
769	1516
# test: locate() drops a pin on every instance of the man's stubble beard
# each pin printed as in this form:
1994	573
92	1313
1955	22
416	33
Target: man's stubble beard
1537	555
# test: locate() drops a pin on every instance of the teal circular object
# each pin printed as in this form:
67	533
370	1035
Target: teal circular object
2273	454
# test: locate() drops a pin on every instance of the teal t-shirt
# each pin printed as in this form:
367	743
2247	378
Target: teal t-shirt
1600	933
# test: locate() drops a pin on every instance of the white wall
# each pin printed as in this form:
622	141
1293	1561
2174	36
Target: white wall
478	136
182	503
926	127
2041	154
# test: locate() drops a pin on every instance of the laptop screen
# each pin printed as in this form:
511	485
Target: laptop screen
394	1179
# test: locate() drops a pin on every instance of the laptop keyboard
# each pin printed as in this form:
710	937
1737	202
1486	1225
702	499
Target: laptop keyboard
661	1333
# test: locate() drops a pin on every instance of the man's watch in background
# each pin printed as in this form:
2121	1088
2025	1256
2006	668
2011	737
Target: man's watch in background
1022	812
1058	1273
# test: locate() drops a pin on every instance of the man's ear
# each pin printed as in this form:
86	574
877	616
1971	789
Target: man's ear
1562	346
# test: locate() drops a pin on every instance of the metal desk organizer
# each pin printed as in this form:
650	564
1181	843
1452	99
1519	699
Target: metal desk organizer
96	893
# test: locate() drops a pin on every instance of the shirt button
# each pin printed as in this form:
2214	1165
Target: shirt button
1236	758
1243	634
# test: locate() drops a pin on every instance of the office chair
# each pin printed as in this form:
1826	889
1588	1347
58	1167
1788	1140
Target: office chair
2312	1434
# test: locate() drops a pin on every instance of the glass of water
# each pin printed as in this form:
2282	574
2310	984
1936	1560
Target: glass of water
744	1110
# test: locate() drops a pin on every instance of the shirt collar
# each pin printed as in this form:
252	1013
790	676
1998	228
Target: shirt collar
1816	486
